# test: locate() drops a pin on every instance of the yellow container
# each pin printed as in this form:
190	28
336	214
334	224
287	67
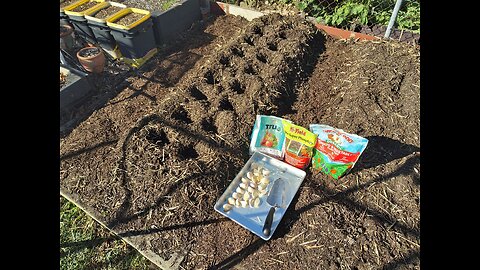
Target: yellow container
112	19
62	8
138	62
68	9
90	12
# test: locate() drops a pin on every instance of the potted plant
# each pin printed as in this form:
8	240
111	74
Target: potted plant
92	59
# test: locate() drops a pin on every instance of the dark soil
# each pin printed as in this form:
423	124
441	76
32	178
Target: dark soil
152	162
106	12
67	3
90	52
85	6
129	18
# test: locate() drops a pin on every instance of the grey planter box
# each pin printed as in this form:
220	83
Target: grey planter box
168	24
75	88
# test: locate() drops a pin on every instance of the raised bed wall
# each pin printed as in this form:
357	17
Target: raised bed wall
168	24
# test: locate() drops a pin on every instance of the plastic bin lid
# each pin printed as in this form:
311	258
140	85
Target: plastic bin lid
68	9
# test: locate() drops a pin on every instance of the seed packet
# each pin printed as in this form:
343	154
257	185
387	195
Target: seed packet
299	143
268	136
336	151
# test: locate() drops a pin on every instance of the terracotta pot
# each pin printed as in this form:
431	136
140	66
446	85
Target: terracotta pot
93	63
66	37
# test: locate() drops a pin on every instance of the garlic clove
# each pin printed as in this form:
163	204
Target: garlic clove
265	180
227	207
245	180
244	204
262	187
256	202
251	202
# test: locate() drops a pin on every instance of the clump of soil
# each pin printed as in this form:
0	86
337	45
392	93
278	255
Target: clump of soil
89	52
106	12
85	6
65	3
63	79
129	18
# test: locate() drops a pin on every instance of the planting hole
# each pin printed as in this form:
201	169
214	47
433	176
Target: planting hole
196	94
210	78
225	105
237	87
272	46
257	30
181	115
282	35
157	137
250	70
262	58
187	152
237	51
224	60
208	126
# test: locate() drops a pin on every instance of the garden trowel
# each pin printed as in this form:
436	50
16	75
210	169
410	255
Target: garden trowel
276	199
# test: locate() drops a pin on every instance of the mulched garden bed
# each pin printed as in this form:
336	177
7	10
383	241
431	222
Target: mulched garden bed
152	161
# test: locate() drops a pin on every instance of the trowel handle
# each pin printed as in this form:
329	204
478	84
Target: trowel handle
268	222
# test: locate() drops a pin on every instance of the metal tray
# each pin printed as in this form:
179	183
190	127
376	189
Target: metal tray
253	219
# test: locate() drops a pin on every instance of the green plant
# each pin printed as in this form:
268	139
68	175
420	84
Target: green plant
409	19
350	13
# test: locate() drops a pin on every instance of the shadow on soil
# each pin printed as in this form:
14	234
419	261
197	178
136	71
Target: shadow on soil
176	58
88	149
79	245
287	102
120	216
381	150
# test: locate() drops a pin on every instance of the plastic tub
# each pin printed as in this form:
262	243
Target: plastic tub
137	39
77	19
99	26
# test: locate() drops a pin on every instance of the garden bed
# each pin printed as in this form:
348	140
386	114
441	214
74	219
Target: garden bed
151	162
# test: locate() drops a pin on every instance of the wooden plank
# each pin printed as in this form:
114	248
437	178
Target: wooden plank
172	264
